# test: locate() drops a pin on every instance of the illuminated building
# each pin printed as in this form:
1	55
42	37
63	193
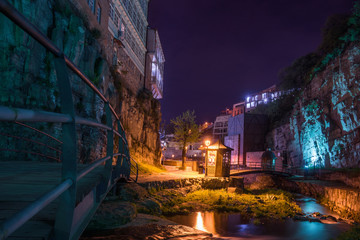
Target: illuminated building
265	96
154	64
128	24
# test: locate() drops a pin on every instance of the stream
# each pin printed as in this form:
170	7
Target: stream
234	226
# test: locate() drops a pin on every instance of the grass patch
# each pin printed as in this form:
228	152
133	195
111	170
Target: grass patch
267	204
148	168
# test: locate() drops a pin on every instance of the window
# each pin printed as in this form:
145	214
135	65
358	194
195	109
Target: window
98	14
248	105
91	4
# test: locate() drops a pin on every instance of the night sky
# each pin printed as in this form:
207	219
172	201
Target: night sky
219	51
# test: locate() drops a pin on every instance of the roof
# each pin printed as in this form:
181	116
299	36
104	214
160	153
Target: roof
217	145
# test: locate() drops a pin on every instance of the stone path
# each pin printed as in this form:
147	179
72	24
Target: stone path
172	173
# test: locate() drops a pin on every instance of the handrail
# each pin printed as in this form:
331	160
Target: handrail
137	169
29	152
32	141
91	167
37	130
20	114
68	119
10	225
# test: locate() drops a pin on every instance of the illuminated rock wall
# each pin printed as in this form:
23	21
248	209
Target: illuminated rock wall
323	129
28	80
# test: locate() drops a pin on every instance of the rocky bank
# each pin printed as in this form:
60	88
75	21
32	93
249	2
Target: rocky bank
28	80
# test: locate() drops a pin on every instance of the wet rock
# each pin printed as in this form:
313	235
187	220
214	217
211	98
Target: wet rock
263	182
316	214
215	183
131	191
149	206
300	218
112	214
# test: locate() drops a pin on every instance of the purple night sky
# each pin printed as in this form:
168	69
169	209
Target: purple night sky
218	51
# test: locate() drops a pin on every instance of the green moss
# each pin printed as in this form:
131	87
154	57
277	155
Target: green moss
267	204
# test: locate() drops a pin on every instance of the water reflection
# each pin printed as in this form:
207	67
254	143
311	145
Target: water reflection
236	226
200	222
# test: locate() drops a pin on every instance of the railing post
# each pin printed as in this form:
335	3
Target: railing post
102	188
120	159
65	211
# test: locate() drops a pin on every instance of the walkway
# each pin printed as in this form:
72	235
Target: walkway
172	173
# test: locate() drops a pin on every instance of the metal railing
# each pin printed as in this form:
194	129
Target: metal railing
292	170
66	190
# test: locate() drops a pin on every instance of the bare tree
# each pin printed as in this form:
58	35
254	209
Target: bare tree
186	131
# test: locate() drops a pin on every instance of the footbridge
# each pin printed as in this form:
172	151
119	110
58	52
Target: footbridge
255	168
56	198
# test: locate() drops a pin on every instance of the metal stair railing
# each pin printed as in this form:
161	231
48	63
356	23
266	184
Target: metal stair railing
66	190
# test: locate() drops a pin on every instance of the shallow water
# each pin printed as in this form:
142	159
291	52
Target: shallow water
233	226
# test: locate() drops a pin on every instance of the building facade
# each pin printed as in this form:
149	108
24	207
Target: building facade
265	96
238	108
220	129
154	64
128	24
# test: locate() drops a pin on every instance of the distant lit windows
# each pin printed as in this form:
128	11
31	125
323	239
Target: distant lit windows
98	14
248	105
91	4
252	104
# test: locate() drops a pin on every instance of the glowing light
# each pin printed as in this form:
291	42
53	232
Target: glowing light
207	143
194	155
200	222
172	156
248	99
265	100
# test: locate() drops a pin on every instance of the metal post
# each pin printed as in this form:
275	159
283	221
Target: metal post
120	159
65	211
105	183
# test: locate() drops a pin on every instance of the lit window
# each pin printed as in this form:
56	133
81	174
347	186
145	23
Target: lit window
248	105
91	5
98	14
252	104
264	95
248	99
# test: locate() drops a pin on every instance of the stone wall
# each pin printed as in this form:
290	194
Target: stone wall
324	127
339	198
29	81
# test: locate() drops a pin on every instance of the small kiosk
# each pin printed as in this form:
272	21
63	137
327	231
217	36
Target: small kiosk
217	160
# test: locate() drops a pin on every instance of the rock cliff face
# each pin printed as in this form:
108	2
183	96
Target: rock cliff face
324	127
28	80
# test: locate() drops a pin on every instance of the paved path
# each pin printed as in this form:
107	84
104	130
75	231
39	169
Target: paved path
171	174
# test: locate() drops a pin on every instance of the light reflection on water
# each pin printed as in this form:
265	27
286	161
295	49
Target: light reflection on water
234	226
